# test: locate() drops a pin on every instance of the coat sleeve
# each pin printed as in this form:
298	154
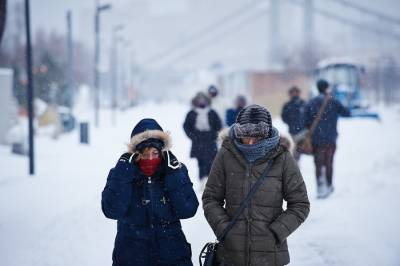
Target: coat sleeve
295	194
214	196
215	123
189	125
117	193
285	113
341	110
181	194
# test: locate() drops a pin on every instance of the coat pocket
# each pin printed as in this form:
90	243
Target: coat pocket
131	251
265	242
173	247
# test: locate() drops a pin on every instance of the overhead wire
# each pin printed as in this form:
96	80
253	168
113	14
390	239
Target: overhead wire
369	11
352	23
203	32
240	25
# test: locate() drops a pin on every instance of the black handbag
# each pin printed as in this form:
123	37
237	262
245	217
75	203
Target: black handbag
209	252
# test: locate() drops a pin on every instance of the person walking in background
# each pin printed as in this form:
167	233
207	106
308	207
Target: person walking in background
293	115
324	136
202	125
250	148
148	192
218	103
231	113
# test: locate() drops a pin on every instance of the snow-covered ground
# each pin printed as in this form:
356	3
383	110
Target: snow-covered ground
55	219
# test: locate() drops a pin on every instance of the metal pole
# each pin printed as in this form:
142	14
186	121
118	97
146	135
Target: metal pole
3	14
114	71
308	35
131	73
113	66
30	88
71	91
99	8
96	64
274	34
308	23
121	78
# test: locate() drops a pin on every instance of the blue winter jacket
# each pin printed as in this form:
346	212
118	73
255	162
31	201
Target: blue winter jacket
293	115
326	130
148	210
230	116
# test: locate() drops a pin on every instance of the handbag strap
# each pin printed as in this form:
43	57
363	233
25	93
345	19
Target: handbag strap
319	115
245	202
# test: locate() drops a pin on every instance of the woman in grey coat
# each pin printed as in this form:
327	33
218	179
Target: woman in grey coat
259	237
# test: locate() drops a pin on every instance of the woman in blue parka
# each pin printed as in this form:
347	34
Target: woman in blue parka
148	192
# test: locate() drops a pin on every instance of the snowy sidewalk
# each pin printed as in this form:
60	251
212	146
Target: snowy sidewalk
55	218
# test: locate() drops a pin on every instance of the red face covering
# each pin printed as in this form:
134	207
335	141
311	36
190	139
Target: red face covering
149	166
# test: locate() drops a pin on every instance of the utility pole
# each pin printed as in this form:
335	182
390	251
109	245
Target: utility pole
132	77
274	34
70	71
30	88
99	9
309	53
125	66
308	22
3	15
114	71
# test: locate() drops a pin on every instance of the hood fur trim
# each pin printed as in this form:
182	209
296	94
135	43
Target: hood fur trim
157	134
224	133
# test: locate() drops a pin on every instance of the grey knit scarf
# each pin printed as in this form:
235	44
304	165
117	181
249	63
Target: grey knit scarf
256	151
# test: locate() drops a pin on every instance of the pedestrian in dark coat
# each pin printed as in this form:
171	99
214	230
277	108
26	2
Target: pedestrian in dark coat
259	237
231	113
148	192
202	125
293	115
324	136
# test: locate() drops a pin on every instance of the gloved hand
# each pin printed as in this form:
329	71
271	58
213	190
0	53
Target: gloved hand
171	163
126	169
128	157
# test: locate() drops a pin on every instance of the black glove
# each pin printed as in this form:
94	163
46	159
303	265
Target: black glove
125	169
171	163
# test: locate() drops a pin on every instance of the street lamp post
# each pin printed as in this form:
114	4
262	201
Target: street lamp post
125	44
114	70
70	60
99	9
3	13
30	88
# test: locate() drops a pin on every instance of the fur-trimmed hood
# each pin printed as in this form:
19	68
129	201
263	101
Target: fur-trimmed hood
224	133
157	134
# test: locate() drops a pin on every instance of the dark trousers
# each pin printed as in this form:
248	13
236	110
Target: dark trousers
204	167
323	158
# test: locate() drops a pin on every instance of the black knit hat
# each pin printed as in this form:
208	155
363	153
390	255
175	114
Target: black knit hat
253	121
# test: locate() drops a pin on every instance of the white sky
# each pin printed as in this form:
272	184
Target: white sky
154	25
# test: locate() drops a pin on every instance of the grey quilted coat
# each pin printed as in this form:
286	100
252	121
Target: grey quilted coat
260	235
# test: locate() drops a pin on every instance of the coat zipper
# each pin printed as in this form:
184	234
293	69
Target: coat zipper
149	182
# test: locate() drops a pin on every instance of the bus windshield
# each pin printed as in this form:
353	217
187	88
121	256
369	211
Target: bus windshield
341	76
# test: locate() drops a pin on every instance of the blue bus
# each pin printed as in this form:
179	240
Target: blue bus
345	78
